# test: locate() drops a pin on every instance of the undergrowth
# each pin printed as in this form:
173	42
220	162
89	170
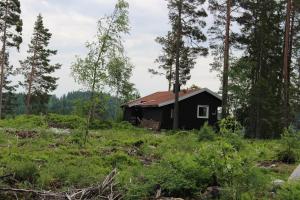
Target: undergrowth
183	164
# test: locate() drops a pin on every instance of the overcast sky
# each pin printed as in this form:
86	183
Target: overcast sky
73	22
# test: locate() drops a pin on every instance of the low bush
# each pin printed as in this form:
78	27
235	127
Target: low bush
25	172
65	121
289	145
177	175
230	125
78	137
235	140
206	133
24	122
236	175
289	191
100	125
124	125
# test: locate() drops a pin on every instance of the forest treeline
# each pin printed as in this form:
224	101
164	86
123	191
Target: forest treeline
256	54
72	103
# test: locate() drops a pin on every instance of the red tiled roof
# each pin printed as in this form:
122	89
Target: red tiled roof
155	99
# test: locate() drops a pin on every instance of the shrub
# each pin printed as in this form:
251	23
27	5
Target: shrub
100	125
230	125
25	122
206	133
235	174
177	175
235	140
65	121
124	125
26	171
289	192
119	160
78	137
289	145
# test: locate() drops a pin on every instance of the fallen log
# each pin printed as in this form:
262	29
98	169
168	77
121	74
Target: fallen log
103	191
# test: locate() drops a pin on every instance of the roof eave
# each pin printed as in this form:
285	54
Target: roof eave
191	95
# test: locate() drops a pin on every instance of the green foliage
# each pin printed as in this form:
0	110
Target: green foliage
290	143
65	121
289	191
124	125
231	171
178	164
206	133
25	171
100	125
176	175
37	69
24	122
230	125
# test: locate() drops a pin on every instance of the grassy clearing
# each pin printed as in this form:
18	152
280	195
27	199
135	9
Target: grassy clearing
182	164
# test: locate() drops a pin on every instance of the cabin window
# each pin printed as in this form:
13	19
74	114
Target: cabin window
203	112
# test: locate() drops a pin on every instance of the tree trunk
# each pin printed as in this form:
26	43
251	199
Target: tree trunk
226	62
286	63
3	60
171	76
292	31
28	97
178	43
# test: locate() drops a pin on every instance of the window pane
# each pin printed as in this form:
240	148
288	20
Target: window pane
202	111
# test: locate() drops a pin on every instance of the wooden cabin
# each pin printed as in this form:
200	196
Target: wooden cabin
156	110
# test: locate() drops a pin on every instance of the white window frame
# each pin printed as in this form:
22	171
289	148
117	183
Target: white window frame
207	113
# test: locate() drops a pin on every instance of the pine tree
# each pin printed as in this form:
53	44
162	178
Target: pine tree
221	41
167	61
10	30
37	70
262	39
186	16
9	97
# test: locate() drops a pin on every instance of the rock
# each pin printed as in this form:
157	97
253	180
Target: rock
60	131
278	183
295	176
212	192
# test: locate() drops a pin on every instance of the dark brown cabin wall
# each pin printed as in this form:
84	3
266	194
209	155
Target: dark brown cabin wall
152	114
188	112
127	113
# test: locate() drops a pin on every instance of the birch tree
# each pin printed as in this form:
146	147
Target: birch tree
92	70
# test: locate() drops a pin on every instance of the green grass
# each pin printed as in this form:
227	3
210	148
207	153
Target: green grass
178	163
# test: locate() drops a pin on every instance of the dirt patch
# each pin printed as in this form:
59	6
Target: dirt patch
276	166
22	134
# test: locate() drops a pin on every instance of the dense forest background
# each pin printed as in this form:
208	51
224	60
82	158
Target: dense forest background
73	103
